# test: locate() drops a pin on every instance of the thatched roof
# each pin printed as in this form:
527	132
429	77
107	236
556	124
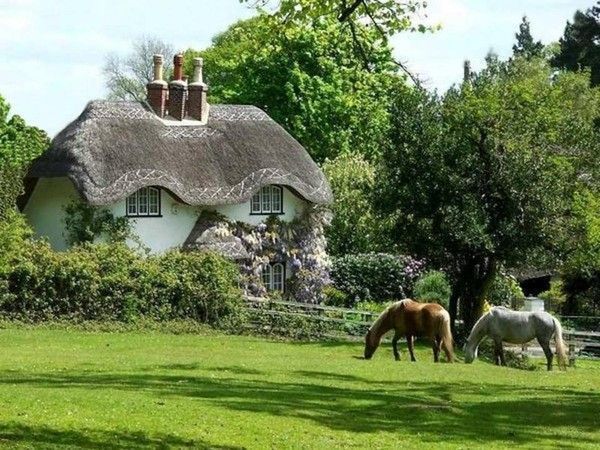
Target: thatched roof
114	148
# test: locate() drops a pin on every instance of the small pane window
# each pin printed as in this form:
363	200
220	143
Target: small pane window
266	276
132	204
275	199
277	277
153	201
268	200
273	277
144	202
256	203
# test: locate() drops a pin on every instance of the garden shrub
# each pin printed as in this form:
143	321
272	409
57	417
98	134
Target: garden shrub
111	282
505	291
334	297
433	286
375	276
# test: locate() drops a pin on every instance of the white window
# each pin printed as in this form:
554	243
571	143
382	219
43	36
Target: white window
144	202
273	277
268	200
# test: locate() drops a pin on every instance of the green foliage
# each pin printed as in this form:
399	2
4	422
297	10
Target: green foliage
19	145
506	291
554	297
580	44
389	16
513	359
13	233
85	222
113	283
581	271
526	47
483	176
375	276
11	187
433	286
308	78
354	227
332	296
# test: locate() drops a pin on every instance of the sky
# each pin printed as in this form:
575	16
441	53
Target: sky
53	51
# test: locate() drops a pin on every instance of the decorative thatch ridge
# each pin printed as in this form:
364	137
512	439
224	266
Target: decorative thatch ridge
114	148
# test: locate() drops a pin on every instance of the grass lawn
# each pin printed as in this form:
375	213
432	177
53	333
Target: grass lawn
107	390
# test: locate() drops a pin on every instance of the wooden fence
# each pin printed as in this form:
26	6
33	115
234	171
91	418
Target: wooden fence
352	323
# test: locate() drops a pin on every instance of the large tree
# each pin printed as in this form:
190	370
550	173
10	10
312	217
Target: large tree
309	79
126	77
580	44
19	144
482	177
526	46
356	17
355	227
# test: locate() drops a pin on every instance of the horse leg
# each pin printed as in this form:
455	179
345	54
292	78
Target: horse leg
436	344
499	353
547	351
410	342
395	346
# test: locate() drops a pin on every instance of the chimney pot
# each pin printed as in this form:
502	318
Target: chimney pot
178	67
197	103
197	78
177	90
157	89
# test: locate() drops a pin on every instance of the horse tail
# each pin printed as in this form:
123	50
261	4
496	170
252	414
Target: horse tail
446	336
561	349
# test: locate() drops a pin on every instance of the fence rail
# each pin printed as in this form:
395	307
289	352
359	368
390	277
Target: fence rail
348	322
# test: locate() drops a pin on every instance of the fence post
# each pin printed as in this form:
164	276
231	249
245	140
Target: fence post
571	354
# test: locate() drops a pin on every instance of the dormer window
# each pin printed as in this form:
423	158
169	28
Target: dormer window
144	203
268	200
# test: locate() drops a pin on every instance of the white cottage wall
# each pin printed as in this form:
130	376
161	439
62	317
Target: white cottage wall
45	211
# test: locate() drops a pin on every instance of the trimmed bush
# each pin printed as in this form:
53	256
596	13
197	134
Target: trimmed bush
111	282
375	276
433	286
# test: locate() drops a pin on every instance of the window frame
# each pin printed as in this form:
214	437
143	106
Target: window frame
269	269
146	193
258	199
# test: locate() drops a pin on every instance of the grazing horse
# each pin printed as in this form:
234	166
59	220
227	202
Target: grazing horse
409	318
517	327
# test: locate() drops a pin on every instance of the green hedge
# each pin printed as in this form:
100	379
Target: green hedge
375	276
112	282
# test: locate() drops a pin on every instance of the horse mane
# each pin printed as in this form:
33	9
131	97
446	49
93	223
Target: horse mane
385	313
478	327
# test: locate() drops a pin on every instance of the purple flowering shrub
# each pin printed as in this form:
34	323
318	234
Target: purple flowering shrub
300	244
375	276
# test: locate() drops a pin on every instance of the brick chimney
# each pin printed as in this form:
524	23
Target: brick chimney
177	90
157	89
197	105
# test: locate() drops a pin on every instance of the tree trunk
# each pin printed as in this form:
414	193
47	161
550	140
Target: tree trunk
470	291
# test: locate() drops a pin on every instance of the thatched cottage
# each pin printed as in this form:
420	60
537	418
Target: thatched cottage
166	163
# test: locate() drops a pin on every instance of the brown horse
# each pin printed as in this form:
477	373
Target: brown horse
409	318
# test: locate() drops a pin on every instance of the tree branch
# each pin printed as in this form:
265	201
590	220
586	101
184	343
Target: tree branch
348	10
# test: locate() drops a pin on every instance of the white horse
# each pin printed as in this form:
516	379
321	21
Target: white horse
502	324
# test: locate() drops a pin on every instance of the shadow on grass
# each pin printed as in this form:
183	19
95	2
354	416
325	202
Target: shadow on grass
496	413
44	437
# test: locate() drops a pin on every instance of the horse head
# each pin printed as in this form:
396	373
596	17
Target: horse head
470	353
370	346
